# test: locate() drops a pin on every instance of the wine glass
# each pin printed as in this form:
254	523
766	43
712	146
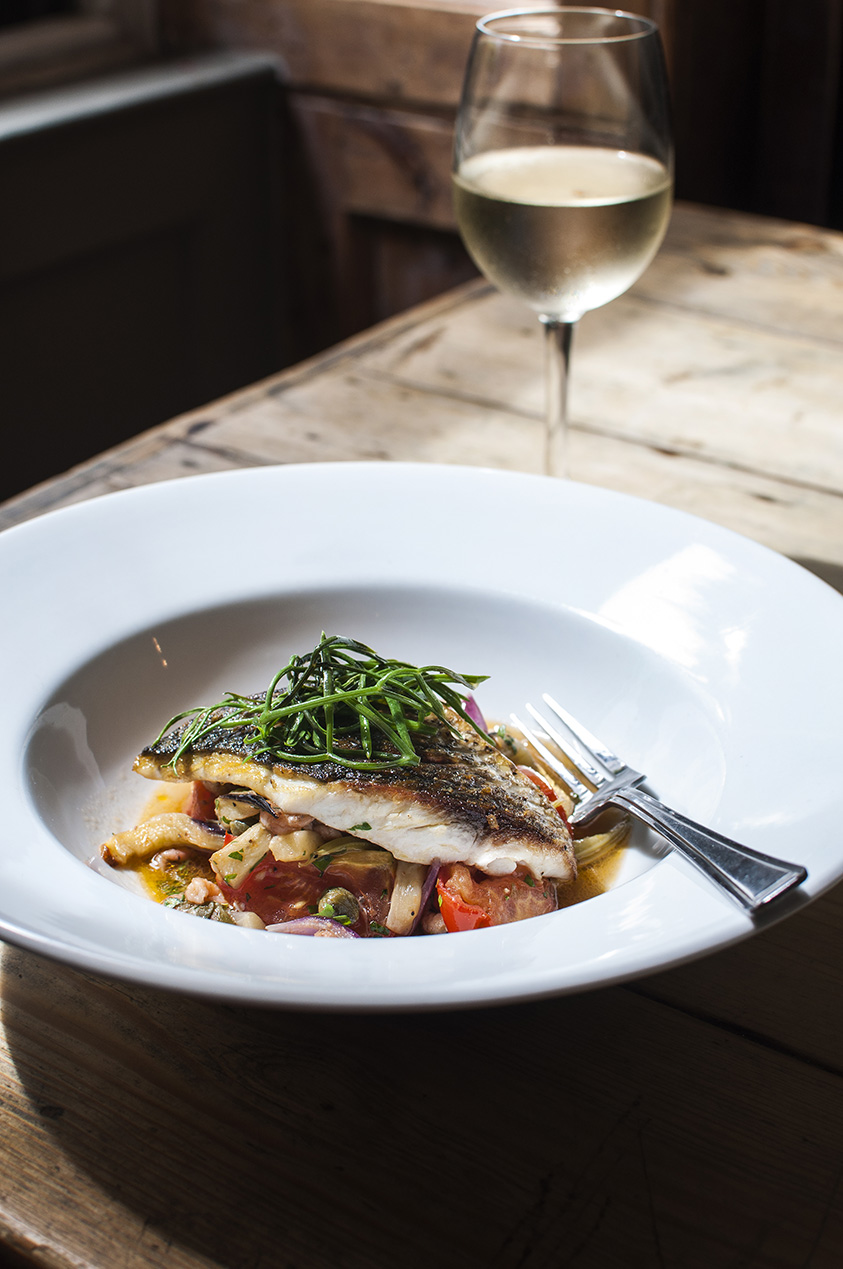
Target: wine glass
563	168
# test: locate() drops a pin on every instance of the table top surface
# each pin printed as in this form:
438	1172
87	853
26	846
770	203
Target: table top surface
692	1118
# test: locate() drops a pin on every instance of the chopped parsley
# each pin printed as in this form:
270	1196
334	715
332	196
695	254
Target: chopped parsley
328	910
321	862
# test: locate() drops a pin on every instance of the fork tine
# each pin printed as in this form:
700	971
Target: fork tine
581	760
600	751
749	877
579	791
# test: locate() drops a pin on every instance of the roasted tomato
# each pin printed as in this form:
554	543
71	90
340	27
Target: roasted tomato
456	912
283	891
470	899
200	803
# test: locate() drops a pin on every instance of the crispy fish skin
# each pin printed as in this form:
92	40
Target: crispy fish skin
464	803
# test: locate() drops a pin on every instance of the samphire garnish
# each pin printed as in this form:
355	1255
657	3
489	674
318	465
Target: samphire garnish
341	703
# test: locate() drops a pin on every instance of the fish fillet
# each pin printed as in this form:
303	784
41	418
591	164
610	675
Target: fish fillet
464	803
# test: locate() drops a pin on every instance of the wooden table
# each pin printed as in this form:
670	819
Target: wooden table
691	1120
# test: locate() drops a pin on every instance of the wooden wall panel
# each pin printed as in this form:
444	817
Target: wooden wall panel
800	144
373	88
759	111
385	50
411	51
139	260
379	162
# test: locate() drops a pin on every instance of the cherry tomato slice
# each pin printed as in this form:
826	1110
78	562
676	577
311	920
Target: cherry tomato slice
457	914
201	802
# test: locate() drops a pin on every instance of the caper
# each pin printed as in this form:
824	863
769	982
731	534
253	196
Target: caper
340	904
236	827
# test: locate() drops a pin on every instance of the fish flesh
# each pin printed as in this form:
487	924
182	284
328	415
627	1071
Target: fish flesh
465	802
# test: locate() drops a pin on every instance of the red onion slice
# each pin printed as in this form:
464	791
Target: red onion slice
210	826
315	927
427	890
474	712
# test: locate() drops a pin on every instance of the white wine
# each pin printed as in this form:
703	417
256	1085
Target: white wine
565	228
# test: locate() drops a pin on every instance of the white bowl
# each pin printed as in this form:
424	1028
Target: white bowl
695	653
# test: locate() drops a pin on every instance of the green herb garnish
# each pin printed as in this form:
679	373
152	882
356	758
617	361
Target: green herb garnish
340	703
328	910
321	862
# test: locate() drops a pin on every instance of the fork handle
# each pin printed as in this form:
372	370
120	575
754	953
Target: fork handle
753	879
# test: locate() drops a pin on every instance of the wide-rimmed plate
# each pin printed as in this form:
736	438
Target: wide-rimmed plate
709	662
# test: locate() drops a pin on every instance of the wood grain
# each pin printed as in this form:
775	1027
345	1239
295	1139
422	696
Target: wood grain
331	1140
388	50
392	164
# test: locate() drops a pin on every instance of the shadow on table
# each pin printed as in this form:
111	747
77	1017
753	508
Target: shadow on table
254	1138
579	1131
832	574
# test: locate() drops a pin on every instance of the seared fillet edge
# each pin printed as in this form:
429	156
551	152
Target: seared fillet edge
465	803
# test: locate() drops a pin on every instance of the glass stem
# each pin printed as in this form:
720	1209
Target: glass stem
557	339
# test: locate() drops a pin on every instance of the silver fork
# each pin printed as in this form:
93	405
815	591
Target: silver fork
600	779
